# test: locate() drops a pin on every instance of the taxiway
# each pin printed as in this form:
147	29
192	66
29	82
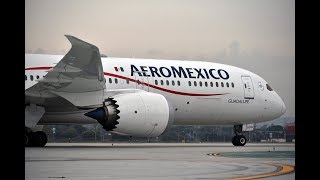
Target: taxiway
160	161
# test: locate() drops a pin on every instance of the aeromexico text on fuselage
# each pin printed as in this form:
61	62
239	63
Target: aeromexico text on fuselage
179	71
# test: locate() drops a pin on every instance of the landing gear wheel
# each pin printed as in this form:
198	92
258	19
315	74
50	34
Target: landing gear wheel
26	139
242	140
234	140
239	140
39	139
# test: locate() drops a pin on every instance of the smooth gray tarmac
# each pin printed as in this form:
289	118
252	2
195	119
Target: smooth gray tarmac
154	161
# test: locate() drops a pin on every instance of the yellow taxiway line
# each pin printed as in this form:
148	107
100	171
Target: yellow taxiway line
284	169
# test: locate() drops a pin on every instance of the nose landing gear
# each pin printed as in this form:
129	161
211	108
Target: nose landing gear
238	139
35	139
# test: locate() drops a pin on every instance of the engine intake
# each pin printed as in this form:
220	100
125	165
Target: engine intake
107	115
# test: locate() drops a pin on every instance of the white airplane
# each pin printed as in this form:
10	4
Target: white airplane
140	97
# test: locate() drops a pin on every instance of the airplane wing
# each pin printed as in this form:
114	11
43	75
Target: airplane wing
78	77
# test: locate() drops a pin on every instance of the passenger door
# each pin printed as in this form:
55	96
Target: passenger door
248	87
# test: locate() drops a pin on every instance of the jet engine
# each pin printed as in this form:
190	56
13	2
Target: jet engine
140	114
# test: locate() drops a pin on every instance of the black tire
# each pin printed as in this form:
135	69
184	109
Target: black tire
26	139
39	139
242	140
235	140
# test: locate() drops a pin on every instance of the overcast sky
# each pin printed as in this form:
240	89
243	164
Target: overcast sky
258	35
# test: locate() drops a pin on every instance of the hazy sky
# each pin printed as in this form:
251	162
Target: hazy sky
258	35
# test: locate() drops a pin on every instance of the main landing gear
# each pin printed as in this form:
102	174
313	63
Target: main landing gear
238	139
34	139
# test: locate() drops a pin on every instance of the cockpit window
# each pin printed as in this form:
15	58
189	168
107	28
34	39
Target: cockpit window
269	87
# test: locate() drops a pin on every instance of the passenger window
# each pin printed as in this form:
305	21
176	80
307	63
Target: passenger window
116	80
222	85
167	82
127	81
172	82
161	82
189	83
25	77
269	87
200	83
217	84
31	77
195	83
227	84
37	77
178	83
110	80
211	84
206	84
156	82
232	85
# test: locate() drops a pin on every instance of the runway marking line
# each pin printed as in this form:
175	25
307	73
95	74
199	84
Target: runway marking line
284	169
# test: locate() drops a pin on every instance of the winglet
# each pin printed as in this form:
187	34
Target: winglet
78	42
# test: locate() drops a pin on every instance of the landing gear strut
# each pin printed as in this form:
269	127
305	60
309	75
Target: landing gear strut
35	139
238	139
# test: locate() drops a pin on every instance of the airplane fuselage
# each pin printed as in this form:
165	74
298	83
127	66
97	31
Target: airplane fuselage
201	93
141	97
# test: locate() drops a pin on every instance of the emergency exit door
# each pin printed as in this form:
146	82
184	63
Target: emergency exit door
248	87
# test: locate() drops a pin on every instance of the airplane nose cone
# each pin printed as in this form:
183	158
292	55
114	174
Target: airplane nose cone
280	106
283	110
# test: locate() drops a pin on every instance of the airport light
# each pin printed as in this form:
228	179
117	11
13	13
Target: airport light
54	132
107	133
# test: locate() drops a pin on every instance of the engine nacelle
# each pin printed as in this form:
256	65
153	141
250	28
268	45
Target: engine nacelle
141	114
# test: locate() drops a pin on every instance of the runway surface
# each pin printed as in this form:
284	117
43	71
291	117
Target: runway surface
160	161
